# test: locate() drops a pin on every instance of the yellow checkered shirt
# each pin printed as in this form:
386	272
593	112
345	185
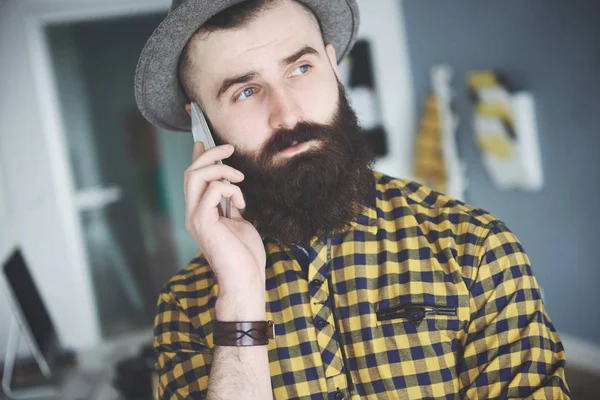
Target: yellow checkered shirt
423	297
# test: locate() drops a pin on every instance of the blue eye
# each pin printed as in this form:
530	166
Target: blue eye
244	94
302	70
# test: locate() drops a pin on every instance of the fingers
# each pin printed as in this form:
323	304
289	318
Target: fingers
235	212
196	181
213	172
203	178
207	208
217	190
203	158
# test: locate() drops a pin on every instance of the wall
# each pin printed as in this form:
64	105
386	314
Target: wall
38	186
551	49
382	23
32	221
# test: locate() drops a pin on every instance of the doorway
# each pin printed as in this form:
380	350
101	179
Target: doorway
128	175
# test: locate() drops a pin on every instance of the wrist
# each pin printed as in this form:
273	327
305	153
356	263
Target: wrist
240	283
256	333
240	308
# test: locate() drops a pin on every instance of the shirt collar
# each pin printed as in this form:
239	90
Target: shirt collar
367	219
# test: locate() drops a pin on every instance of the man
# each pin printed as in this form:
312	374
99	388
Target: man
375	287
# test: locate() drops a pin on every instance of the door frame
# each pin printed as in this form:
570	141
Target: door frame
37	16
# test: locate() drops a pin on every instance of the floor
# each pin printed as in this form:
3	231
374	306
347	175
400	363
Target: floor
93	377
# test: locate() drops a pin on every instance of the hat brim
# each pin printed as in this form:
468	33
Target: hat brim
158	93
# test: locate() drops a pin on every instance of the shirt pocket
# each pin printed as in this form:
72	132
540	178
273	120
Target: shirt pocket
435	325
420	342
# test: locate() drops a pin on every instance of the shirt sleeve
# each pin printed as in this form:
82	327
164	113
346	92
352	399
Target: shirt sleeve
511	349
183	363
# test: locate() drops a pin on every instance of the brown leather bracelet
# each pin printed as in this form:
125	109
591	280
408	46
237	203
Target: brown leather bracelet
256	333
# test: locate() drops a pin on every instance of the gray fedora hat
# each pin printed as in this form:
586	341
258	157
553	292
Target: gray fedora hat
158	93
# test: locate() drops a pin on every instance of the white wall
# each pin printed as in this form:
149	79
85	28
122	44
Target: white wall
382	23
32	221
40	216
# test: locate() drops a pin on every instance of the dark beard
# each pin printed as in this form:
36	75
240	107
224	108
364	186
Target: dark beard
314	193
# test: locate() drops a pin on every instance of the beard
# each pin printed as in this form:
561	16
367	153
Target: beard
314	193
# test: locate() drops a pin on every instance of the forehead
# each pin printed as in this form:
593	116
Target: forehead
284	27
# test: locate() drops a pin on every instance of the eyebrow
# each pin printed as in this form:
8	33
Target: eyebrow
247	77
299	54
235	80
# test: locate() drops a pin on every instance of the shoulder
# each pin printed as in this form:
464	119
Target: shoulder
405	201
427	203
412	211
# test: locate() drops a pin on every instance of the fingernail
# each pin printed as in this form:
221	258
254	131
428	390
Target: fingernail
229	146
238	173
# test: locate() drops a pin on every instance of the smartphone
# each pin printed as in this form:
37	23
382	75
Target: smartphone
201	133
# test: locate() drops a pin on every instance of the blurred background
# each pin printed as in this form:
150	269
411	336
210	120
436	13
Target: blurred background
496	103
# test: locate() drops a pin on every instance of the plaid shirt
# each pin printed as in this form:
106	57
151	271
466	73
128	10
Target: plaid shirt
422	297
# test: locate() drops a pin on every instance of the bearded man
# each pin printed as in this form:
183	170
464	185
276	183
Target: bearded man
329	280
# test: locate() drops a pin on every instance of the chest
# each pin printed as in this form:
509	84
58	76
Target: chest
374	318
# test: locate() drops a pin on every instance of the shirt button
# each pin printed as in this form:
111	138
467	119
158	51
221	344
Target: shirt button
316	282
321	324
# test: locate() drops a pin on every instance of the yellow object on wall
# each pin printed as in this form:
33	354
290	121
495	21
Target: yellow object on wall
494	120
506	132
430	166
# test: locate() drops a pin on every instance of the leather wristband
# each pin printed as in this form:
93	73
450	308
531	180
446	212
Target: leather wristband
256	333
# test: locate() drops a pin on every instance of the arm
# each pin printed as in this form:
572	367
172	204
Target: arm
184	357
240	372
188	369
235	252
512	349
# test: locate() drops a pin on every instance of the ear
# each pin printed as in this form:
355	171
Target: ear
333	60
188	108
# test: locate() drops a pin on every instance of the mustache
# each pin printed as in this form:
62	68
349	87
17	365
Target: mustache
303	132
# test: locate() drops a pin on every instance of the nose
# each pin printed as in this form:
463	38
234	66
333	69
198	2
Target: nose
285	110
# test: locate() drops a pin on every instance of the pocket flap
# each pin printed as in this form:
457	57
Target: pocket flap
414	313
